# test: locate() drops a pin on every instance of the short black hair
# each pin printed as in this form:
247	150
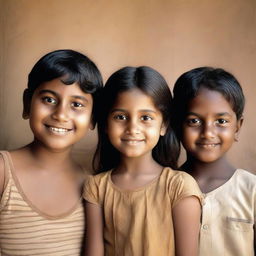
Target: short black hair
150	82
188	85
70	67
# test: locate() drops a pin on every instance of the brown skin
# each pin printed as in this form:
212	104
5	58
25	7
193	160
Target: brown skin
209	131
211	119
45	179
209	179
59	116
134	117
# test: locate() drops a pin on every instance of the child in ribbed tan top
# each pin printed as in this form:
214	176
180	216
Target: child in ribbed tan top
41	211
140	205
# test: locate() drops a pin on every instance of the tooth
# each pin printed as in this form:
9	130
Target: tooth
58	129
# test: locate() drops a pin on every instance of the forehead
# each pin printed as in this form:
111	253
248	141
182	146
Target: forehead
56	86
134	98
209	101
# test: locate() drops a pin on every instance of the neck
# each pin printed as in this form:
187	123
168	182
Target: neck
220	168
145	164
44	156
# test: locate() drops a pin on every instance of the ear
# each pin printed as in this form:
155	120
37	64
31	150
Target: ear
163	129
238	127
92	125
26	104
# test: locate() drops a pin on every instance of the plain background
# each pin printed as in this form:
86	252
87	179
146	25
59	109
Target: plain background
171	36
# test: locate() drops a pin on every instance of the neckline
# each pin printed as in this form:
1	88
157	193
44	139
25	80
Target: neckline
137	189
223	185
30	203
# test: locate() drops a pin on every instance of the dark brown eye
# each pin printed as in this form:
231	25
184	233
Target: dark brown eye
146	118
120	117
77	105
193	122
222	121
49	100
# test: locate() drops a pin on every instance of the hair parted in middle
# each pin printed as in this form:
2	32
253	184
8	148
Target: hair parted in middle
150	82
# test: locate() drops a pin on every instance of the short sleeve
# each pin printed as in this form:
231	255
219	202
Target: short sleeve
183	186
91	190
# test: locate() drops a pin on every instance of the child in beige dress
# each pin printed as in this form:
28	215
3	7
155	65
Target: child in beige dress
137	204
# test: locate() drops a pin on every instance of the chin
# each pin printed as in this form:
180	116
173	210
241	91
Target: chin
132	154
58	148
207	160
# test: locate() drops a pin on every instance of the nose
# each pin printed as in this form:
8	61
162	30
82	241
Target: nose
208	130
61	113
132	127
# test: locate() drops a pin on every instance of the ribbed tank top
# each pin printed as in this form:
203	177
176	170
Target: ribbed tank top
25	230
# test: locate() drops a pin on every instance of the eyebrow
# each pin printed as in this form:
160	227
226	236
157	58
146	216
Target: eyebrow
57	95
217	114
123	110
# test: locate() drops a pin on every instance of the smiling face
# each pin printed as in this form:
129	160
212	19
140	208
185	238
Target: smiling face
210	126
134	124
59	115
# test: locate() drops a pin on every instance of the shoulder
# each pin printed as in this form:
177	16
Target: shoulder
98	179
181	184
177	177
95	187
2	170
245	173
245	178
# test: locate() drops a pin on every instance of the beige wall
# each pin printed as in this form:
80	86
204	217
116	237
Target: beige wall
169	35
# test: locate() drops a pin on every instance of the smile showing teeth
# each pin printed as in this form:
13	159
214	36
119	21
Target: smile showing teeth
132	142
58	130
213	145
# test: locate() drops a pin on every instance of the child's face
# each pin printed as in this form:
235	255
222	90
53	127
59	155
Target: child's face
210	127
60	115
134	124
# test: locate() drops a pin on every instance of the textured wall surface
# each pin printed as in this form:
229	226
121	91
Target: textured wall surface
172	36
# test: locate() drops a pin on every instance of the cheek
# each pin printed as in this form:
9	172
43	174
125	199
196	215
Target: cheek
39	111
37	117
113	130
153	131
189	135
228	134
153	134
83	120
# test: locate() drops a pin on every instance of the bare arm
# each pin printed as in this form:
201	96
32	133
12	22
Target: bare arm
94	244
1	176
186	221
254	229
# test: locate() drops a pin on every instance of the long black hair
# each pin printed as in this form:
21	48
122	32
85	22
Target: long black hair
150	82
